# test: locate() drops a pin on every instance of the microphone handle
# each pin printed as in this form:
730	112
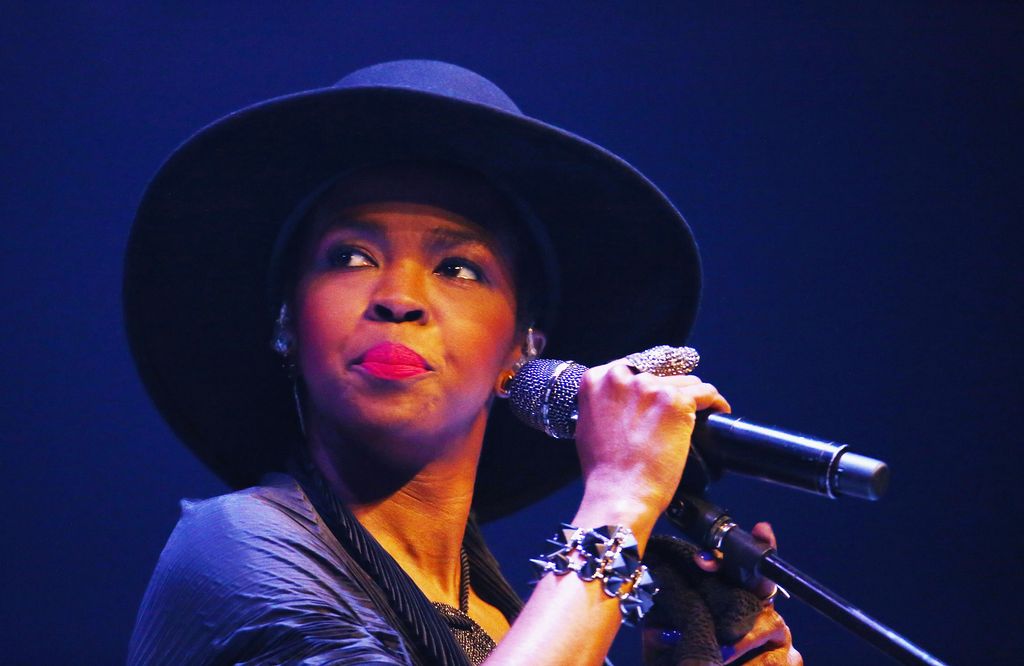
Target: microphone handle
727	442
543	395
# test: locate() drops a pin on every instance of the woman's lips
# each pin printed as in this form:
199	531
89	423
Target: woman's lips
389	360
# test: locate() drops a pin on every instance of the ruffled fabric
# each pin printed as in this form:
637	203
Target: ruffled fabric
259	577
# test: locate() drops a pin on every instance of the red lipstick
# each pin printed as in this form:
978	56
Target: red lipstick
389	360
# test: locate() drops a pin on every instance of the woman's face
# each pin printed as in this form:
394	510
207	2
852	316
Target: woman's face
405	317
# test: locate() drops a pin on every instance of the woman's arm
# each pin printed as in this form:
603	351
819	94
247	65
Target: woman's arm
633	437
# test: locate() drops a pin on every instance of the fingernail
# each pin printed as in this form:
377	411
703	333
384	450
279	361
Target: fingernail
727	652
706	555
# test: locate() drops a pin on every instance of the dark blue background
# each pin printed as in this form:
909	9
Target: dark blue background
853	176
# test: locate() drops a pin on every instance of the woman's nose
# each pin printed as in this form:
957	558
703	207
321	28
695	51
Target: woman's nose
398	298
396	311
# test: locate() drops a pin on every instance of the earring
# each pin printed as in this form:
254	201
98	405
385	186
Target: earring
284	343
284	339
502	385
532	348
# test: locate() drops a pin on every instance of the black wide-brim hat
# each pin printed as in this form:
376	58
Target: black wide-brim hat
197	309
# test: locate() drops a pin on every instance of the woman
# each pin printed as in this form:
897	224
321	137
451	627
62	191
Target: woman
419	232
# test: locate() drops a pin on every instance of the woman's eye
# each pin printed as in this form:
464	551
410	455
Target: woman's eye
459	269
346	256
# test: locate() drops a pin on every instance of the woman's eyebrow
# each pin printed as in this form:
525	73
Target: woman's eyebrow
371	227
435	238
448	236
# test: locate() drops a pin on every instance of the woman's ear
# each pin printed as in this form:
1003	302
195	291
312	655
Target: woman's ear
531	347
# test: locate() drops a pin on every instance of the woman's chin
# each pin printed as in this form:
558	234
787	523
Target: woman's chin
406	430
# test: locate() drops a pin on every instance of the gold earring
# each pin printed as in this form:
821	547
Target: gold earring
502	385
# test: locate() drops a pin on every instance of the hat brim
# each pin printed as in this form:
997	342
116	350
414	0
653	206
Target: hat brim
195	285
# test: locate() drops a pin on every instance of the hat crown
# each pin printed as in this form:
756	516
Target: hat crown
433	77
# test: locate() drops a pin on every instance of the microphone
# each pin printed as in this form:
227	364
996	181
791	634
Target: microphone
543	395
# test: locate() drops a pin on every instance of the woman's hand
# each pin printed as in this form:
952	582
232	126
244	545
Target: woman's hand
762	587
770	641
767	643
633	437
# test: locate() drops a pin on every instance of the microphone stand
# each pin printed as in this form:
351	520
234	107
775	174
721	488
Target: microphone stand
746	558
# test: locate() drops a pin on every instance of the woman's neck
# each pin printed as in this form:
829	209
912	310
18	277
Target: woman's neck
417	512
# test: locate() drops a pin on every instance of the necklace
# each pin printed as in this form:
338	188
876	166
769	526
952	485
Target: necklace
470	636
464	581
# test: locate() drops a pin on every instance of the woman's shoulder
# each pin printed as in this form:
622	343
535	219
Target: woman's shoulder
252	569
278	508
255	533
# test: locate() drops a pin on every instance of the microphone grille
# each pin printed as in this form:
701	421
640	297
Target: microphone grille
543	395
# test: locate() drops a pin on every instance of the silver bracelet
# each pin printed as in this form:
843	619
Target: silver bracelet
608	554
